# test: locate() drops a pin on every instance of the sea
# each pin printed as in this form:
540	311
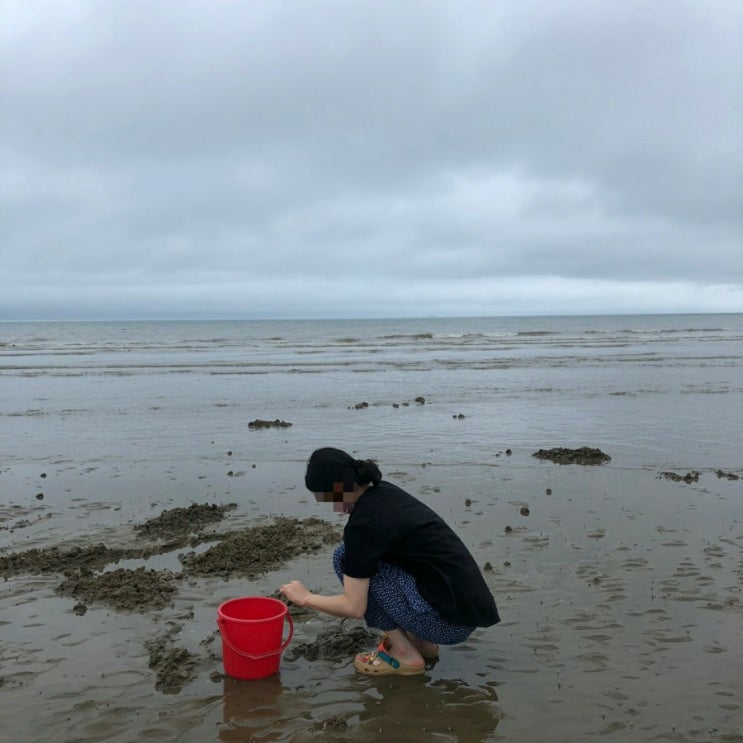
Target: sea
652	390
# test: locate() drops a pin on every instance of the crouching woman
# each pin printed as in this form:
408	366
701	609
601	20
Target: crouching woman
403	569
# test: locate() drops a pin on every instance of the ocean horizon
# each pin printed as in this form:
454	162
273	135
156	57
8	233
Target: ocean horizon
655	388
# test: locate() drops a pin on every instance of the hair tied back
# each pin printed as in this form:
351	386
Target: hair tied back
367	472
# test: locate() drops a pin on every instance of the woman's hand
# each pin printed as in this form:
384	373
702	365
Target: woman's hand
350	603
296	592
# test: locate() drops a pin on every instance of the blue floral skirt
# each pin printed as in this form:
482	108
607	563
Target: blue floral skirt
395	603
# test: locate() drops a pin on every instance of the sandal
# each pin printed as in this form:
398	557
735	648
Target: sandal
380	663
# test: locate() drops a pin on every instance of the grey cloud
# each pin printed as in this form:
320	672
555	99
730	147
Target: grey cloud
414	141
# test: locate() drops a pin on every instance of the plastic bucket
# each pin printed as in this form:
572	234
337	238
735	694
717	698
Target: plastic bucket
251	630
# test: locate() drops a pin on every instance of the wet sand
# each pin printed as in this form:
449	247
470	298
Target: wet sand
620	591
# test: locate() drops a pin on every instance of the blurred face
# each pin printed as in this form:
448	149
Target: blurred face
341	499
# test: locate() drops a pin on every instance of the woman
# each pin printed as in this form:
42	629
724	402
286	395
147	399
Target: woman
402	567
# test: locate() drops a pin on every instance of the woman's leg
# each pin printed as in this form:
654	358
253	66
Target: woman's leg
396	592
394	603
399	645
429	650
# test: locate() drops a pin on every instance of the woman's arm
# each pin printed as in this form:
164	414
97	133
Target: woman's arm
350	603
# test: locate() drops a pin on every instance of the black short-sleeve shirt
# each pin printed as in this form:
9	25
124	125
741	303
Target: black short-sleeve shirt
388	524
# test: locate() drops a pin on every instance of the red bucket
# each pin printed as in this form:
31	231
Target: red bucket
251	630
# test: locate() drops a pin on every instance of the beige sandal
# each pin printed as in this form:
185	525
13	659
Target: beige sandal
380	663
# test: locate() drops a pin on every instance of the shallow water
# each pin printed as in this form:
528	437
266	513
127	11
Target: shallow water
620	592
656	389
621	602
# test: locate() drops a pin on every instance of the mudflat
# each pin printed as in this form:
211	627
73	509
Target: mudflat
620	592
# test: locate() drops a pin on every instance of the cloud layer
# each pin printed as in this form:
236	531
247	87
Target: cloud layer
290	159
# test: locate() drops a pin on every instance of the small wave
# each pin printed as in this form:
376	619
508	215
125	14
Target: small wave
669	331
414	336
471	336
537	332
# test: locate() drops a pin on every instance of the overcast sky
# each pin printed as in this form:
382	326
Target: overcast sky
316	158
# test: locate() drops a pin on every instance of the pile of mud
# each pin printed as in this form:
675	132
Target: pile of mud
693	476
688	478
584	455
60	560
249	552
124	590
334	642
726	475
262	548
177	521
259	424
173	666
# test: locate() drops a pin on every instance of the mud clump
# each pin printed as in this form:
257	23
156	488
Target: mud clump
334	722
334	643
583	455
260	424
726	475
59	560
179	521
259	549
173	666
123	589
688	478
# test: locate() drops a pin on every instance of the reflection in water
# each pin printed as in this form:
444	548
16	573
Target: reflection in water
253	708
349	707
443	710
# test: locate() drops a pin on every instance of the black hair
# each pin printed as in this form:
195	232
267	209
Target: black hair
328	466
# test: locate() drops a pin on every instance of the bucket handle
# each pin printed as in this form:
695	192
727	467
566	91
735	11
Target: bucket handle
257	656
